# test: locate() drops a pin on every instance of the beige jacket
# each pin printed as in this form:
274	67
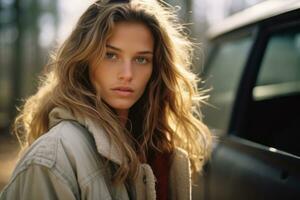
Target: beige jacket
68	163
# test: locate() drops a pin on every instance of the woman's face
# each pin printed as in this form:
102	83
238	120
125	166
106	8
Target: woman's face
121	77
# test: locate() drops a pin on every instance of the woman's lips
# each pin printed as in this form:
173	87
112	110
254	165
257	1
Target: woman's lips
123	91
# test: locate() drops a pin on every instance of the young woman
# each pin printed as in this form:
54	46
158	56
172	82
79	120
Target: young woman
117	113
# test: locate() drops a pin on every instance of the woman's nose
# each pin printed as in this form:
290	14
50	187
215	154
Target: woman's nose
126	72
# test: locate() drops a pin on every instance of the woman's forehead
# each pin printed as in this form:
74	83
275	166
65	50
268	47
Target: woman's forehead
134	35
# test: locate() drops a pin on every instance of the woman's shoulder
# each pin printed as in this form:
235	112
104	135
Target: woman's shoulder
64	148
62	159
67	137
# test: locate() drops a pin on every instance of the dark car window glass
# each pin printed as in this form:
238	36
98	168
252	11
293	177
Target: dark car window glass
224	73
274	114
280	70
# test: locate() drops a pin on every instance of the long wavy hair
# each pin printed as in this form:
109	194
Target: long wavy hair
167	115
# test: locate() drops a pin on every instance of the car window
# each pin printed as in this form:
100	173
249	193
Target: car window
280	70
274	113
224	72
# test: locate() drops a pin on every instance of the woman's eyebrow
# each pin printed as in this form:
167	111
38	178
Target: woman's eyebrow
112	47
120	50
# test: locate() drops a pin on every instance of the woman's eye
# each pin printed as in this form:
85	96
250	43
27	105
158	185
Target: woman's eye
141	60
111	56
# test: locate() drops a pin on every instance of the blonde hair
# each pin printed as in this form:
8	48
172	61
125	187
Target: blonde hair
168	111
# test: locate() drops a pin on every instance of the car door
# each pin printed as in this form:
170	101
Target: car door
255	79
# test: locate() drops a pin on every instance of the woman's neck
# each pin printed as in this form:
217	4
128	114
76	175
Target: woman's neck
123	116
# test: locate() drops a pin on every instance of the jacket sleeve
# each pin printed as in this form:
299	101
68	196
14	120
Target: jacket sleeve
37	182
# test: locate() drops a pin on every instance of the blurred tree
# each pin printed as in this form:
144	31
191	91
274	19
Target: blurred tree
22	52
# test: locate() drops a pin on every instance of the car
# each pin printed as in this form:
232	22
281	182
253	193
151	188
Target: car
253	73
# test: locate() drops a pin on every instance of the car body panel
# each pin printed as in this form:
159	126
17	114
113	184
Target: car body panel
252	15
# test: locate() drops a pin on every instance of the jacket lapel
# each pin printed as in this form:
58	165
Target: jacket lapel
180	176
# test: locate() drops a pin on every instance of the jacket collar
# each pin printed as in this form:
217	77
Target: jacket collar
105	146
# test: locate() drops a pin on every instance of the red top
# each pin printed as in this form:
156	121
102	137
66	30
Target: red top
160	164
